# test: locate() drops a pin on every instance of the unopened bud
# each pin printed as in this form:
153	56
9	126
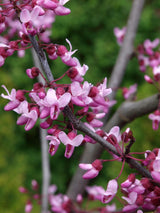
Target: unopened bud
20	95
93	92
72	72
61	50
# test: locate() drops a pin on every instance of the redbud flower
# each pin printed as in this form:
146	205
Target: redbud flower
51	105
26	15
130	180
148	45
66	58
52	189
156	170
28	118
143	62
156	72
111	191
28	207
14	102
54	144
60	10
33	72
155	117
34	185
48	4
119	33
23	189
70	141
95	192
148	79
127	92
93	169
80	93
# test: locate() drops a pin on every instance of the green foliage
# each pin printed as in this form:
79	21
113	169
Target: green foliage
90	29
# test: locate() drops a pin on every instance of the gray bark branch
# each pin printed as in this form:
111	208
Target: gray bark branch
46	176
126	113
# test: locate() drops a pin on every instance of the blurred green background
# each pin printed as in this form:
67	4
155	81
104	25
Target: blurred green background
89	27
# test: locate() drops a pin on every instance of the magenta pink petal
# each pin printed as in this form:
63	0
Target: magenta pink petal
91	174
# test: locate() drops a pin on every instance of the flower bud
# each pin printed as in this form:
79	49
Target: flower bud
20	95
61	50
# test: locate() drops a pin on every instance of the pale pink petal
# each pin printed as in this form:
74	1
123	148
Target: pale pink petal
64	99
45	112
111	191
64	138
85	166
91	174
156	176
51	96
76	89
11	105
61	11
77	140
25	16
22	120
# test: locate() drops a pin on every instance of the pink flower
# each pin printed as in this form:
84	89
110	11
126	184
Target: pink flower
59	203
51	104
156	171
52	189
148	79
155	117
119	33
35	185
14	102
23	189
28	207
110	192
48	4
156	72
95	192
130	180
93	169
76	72
143	62
53	145
60	10
70	141
100	96
80	93
66	57
127	92
28	118
26	15
114	135
148	45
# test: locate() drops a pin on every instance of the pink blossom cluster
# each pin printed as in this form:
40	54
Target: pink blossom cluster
33	195
61	203
23	18
48	101
148	56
